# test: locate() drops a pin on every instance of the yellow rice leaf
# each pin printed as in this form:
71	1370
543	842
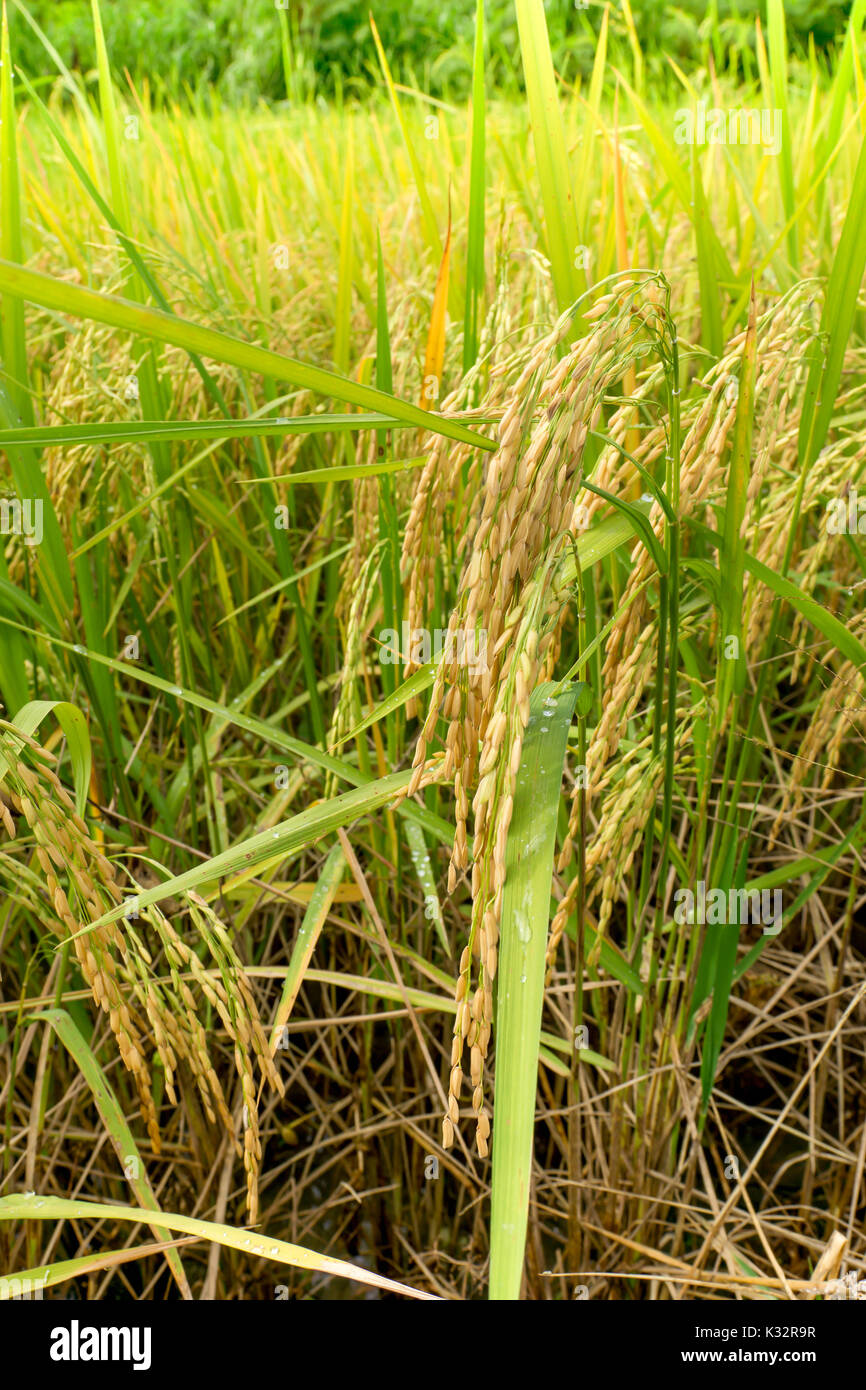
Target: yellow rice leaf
622	257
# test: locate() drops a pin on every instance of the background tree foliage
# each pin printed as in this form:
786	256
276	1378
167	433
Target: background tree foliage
183	46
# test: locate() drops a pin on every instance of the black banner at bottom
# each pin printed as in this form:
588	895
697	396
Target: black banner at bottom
59	1338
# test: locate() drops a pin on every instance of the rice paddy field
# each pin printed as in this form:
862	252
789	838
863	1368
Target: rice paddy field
432	661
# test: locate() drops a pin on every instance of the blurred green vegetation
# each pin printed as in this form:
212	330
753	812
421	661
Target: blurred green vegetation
185	46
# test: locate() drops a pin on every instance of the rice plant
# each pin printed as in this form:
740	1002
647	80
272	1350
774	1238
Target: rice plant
432	744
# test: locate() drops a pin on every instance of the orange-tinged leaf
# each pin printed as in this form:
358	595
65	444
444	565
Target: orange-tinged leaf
434	359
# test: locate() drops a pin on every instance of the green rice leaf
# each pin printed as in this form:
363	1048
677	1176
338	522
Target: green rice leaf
36	1208
520	988
66	298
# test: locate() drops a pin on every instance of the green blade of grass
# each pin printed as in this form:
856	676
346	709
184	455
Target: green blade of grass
477	192
837	320
591	125
778	46
286	54
639	523
132	251
308	934
36	1208
732	668
12	328
108	106
842	638
118	1130
828	858
125	314
304	752
52	563
74	725
413	686
59	1272
268	846
335	473
424	871
315	475
389	525
820	617
142	431
634	45
431	227
842	84
523	938
343	315
72	83
551	155
285	583
16	407
666	153
711	306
